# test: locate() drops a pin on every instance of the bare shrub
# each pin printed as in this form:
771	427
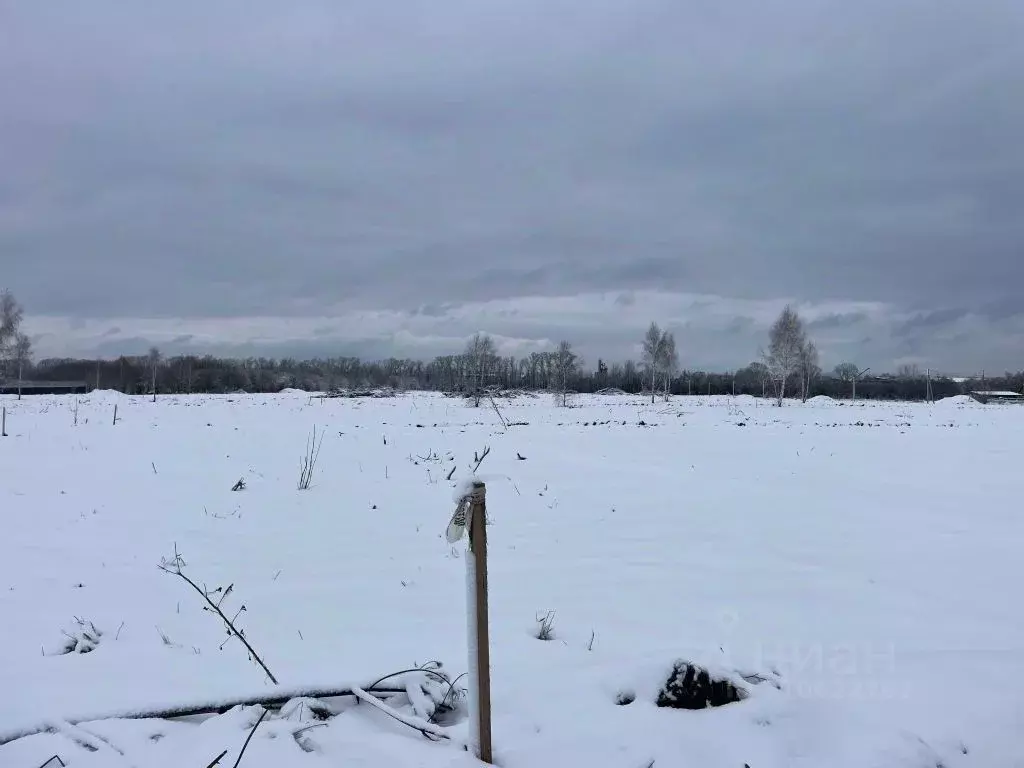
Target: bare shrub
545	626
308	463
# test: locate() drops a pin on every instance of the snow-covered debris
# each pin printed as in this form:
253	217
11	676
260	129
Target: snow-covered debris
821	400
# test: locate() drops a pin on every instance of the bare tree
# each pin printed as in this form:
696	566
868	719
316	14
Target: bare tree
849	372
786	341
480	354
567	363
809	368
909	371
763	375
652	354
22	354
11	315
153	363
669	359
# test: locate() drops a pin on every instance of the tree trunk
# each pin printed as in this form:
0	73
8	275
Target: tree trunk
20	364
782	390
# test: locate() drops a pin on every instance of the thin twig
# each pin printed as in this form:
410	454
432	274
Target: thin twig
215	607
480	458
426	670
217	759
450	691
248	738
302	730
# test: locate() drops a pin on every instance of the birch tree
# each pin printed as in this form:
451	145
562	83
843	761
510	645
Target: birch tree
786	342
153	363
809	368
566	364
669	359
659	357
652	356
22	355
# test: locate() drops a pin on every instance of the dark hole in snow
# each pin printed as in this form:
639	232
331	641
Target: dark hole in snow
692	687
625	697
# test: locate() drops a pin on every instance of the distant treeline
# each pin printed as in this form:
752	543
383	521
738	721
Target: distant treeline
459	373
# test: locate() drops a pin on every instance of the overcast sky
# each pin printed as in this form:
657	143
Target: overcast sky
385	178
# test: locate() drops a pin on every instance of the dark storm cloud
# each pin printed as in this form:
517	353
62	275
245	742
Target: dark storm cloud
258	159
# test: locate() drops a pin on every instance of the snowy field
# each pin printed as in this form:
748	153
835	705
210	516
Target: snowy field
864	560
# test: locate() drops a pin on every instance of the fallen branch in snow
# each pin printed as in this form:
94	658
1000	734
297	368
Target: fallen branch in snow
175	566
427	704
279	698
426	683
504	424
427	729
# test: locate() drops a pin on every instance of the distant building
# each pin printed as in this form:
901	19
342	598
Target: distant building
43	387
998	397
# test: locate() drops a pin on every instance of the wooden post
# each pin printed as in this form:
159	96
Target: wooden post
115	414
479	642
3	424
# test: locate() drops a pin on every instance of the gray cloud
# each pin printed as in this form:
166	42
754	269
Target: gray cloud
259	160
836	320
924	321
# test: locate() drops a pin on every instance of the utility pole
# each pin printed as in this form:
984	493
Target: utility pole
855	378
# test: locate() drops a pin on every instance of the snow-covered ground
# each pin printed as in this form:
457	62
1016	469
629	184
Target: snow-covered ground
867	557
